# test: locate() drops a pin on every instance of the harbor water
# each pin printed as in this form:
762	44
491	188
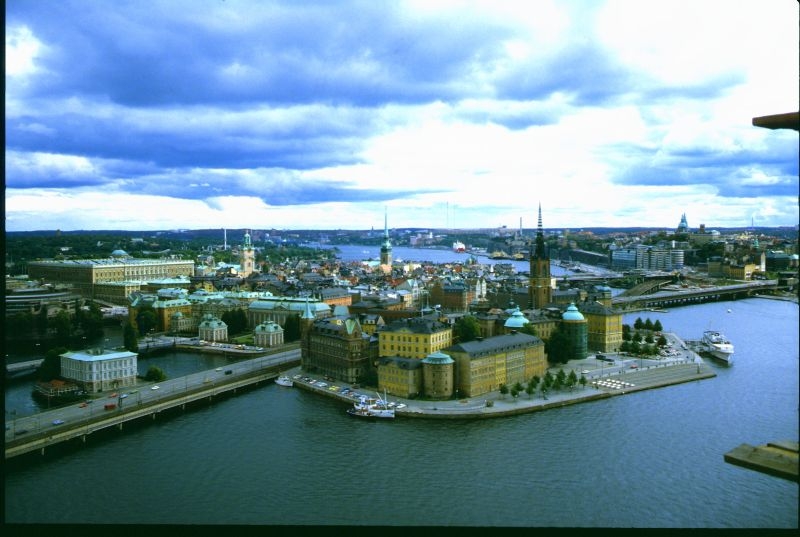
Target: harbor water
283	456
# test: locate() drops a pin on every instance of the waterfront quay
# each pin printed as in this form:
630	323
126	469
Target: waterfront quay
77	421
621	375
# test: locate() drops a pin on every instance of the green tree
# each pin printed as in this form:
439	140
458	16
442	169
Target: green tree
662	341
62	325
649	338
50	367
129	338
561	376
637	337
467	328
518	387
557	347
572	378
638	324
146	321
657	326
41	321
155	374
291	328
648	324
503	390
583	381
529	389
514	393
528	329
626	332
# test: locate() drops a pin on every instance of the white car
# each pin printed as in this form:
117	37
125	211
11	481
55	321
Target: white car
154	388
401	405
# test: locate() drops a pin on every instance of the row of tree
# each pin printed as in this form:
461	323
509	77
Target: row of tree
544	384
65	327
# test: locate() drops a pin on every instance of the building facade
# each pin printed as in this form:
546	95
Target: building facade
483	365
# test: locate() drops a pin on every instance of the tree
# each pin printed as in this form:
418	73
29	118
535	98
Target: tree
638	324
648	324
572	378
155	374
129	339
657	326
529	389
63	327
50	367
561	376
503	390
146	321
514	393
637	337
583	381
626	332
649	338
291	328
662	341
467	328
528	329
557	347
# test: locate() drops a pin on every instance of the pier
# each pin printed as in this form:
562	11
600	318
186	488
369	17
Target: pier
76	422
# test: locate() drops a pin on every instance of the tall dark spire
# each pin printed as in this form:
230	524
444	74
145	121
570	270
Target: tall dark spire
540	253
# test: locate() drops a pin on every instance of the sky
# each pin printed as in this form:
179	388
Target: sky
154	115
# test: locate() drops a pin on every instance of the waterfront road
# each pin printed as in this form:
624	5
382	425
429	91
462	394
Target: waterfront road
140	395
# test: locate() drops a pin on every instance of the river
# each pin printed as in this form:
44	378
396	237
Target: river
282	456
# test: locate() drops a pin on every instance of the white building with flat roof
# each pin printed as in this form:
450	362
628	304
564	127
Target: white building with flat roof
98	370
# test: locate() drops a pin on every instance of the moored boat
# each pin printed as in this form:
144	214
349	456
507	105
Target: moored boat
371	409
717	345
283	380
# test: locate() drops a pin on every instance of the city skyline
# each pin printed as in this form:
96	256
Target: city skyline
237	114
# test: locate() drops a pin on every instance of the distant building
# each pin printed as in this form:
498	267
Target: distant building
85	274
386	246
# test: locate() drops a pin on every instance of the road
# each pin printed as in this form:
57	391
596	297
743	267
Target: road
140	394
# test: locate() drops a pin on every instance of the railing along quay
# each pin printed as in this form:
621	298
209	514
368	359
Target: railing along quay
176	393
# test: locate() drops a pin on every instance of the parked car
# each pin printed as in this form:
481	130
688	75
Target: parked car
58	422
154	387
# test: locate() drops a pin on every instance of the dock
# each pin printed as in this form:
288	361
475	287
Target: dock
778	459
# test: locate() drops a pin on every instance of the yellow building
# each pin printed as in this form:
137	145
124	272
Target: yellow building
413	338
84	274
604	327
401	377
481	366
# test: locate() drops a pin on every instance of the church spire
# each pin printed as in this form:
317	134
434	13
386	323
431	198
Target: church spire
539	252
386	247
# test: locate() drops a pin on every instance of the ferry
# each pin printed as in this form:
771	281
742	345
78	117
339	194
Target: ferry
718	346
459	247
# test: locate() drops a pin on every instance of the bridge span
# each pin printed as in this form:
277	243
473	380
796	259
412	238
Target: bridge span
686	297
75	423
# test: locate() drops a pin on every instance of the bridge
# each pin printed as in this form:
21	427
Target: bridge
75	423
689	296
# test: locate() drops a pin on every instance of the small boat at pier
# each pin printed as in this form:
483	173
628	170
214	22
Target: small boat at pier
283	380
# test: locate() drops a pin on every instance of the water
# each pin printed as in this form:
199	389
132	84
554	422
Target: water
276	456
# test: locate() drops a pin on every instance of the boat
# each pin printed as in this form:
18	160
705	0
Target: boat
459	246
717	345
283	380
498	254
367	407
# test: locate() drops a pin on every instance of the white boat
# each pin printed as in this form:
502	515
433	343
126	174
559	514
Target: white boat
718	346
371	408
459	246
283	380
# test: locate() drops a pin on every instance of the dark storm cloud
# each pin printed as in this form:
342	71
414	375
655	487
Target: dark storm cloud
361	53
